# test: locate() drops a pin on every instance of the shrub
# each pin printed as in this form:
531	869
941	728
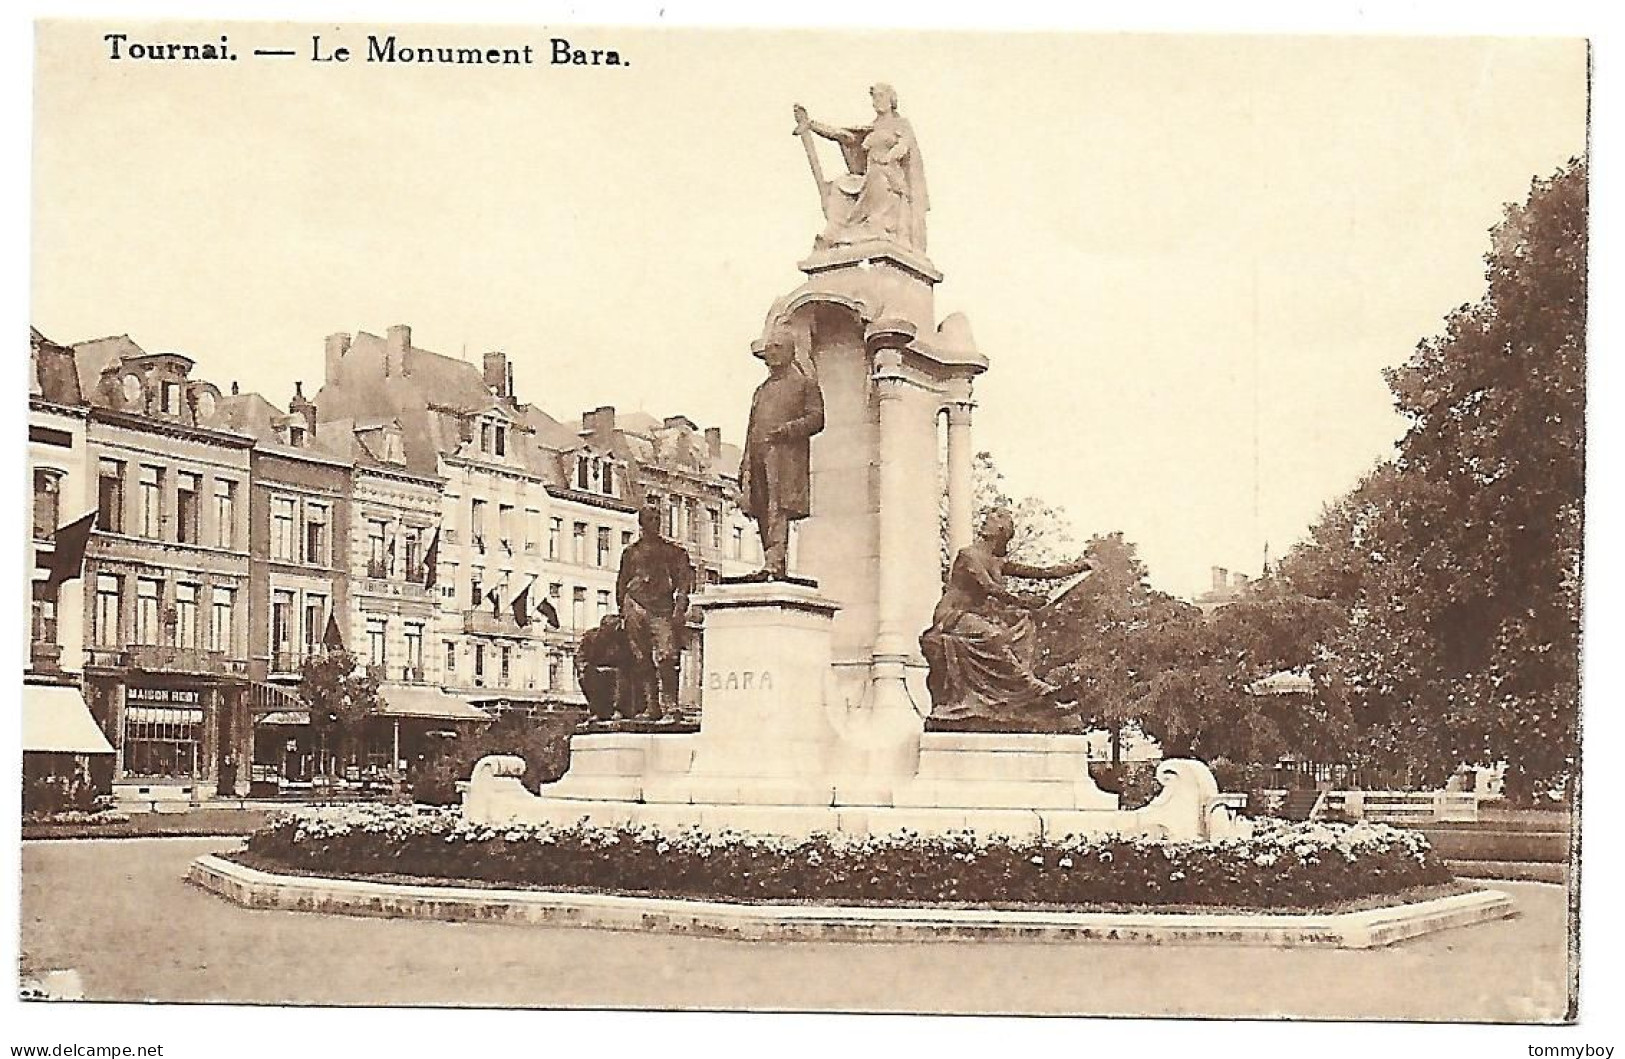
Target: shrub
1279	866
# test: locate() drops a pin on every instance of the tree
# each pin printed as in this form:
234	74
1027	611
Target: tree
341	693
1459	564
1044	533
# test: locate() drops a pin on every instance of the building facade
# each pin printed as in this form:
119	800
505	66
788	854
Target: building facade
166	573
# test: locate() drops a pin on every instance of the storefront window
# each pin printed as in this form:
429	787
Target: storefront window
162	740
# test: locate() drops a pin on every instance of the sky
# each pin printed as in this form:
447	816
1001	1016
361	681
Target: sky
1188	258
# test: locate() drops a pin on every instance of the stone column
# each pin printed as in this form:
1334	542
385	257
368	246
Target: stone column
892	637
961	487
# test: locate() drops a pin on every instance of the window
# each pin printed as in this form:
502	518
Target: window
505	526
739	542
555	529
296	436
43	613
476	522
282	629
533	529
414	562
220	630
316	534
225	518
475	596
186	627
172	398
553	672
152	503
603	604
583	472
578	543
603	545
485	437
479	661
187	507
451	656
499	440
110	497
414	649
377	650
315	621
674	518
578	609
626	539
47	504
282	529
446	579
162	740
377	560
609	478
146	610
505	665
691	520
105	630
714	517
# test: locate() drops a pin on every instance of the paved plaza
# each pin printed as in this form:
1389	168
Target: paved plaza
120	915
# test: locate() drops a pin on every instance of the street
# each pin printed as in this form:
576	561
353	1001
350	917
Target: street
119	914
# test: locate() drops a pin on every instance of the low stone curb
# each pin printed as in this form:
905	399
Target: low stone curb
1373	928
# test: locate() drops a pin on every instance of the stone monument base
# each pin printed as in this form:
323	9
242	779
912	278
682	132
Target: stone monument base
776	755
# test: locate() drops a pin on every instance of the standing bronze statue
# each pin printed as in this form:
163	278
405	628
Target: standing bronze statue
775	486
981	642
651	592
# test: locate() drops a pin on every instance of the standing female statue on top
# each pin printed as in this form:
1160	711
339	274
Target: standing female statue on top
883	194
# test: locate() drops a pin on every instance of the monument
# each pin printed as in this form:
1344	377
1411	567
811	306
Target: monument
815	689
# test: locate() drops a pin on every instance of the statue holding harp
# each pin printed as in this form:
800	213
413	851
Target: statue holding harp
882	194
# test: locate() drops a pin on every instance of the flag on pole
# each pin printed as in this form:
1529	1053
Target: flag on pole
68	561
431	560
548	612
332	639
521	604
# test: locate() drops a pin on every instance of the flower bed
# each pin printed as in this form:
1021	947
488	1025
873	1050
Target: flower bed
1281	866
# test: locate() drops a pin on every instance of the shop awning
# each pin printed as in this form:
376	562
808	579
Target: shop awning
57	721
422	700
285	717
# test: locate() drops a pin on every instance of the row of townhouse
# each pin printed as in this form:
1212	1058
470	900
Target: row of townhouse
414	507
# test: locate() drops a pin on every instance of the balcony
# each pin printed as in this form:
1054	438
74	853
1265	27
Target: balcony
289	661
45	656
161	658
484	623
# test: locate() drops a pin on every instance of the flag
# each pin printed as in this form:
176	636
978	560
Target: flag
390	552
494	597
521	605
68	561
549	612
431	560
331	639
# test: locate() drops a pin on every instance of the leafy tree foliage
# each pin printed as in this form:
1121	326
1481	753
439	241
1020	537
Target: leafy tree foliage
1459	563
341	693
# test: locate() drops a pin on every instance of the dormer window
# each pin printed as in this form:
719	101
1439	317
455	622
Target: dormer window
392	448
595	474
499	440
296	436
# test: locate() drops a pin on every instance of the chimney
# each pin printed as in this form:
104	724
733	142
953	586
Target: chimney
1221	578
234	387
337	346
510	380
396	342
678	421
498	379
1238	580
300	405
600	423
713	442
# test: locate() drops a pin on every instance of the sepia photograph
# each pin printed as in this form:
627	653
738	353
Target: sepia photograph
937	522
